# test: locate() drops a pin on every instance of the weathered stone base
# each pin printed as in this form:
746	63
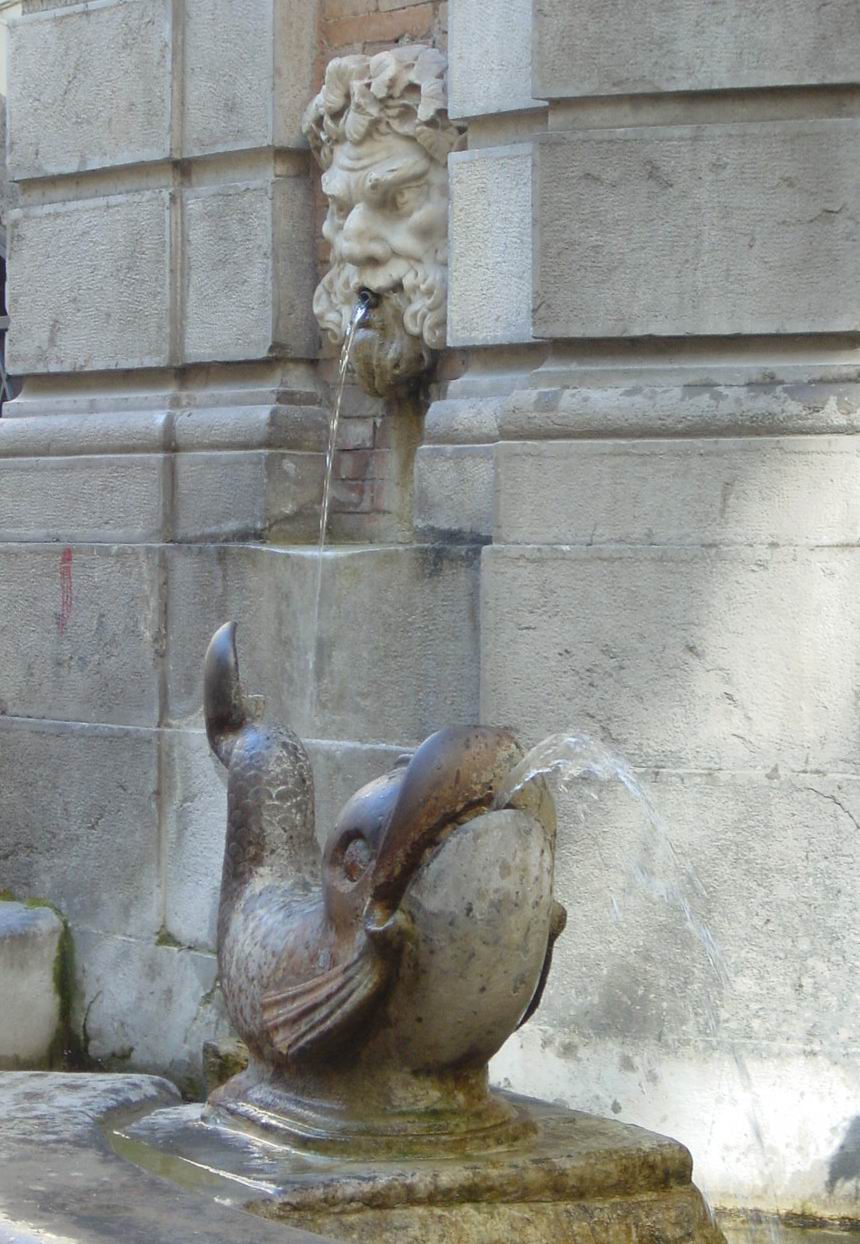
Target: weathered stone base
579	1179
675	1216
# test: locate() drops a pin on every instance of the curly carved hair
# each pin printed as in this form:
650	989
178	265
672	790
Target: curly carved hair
403	89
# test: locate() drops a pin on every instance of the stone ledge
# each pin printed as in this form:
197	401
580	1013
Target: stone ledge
299	428
619	406
640	409
194	476
53	1124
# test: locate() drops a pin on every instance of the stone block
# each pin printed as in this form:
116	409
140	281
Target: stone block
395	683
228	273
89	87
759	490
105	305
148	1006
498	39
195	818
248	76
228	78
464	421
454	492
684	231
83	628
79	823
702	658
194	806
255	495
248	264
105	497
30	1016
294	279
490	272
591	47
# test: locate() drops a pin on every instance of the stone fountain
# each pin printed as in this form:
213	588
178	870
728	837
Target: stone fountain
372	978
372	982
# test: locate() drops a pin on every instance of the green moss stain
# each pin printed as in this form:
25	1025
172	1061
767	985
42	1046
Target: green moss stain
67	1051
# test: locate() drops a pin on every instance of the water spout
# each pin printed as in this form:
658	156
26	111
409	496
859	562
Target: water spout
359	311
368	298
572	756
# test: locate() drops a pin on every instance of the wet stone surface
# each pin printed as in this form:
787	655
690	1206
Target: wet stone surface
578	1177
59	1177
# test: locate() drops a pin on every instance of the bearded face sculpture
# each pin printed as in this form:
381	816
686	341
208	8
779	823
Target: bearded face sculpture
380	131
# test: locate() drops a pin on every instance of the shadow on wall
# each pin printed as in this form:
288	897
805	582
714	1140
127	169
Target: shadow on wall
845	1163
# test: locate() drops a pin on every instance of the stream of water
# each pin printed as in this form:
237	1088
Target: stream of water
359	311
574	756
669	879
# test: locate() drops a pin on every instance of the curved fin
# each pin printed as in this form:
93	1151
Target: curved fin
270	791
557	922
320	1014
225	708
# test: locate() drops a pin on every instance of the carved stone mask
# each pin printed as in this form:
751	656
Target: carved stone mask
380	130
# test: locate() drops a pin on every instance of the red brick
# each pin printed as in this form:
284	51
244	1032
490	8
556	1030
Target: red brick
351	497
413	22
353	464
356	434
333	10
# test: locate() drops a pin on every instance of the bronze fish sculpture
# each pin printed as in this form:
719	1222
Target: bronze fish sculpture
373	984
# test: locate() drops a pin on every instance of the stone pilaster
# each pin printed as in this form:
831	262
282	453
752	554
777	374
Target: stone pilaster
654	268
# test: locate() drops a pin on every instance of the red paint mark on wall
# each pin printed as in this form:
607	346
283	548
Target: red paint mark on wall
65	591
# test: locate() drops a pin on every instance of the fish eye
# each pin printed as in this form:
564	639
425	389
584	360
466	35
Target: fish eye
356	859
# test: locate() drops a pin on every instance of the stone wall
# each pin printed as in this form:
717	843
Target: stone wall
653	267
634	515
161	472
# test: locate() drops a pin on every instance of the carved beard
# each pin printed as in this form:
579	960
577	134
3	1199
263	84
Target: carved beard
395	343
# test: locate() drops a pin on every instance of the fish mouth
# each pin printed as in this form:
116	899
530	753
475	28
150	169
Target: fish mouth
453	778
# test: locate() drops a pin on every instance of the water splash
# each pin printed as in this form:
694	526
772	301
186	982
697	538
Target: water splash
359	311
573	757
